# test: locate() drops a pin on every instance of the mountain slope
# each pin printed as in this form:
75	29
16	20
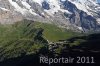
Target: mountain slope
21	38
28	37
77	15
22	44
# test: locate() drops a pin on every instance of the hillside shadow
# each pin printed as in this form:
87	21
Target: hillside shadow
25	60
89	48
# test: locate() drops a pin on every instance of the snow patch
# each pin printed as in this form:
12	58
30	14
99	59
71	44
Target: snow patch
81	6
55	7
17	7
26	5
39	1
80	28
98	20
4	9
84	5
22	10
31	11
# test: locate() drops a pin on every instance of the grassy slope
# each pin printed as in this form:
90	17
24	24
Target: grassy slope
17	39
54	33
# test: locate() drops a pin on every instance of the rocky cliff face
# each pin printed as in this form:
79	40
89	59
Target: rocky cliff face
7	13
77	15
79	18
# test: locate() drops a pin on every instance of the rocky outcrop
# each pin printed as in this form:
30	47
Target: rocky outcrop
80	18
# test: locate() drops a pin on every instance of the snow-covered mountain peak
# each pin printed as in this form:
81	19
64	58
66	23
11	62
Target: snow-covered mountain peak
70	14
86	5
85	2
